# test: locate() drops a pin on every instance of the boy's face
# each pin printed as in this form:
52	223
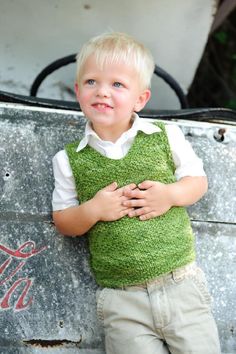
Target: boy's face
109	96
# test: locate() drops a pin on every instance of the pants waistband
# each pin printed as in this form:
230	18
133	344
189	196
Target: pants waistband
177	275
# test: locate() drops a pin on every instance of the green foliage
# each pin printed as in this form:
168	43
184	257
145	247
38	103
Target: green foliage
221	36
231	103
215	81
234	74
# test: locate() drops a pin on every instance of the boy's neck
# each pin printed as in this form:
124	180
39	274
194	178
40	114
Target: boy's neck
110	134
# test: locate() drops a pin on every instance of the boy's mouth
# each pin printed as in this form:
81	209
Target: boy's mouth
101	106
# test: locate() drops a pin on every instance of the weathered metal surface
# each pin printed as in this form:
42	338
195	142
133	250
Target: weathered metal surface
51	296
216	253
219	158
47	293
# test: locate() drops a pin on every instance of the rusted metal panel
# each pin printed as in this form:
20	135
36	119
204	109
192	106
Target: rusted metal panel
47	292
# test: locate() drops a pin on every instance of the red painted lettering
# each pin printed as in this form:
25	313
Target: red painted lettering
19	254
12	273
25	251
19	305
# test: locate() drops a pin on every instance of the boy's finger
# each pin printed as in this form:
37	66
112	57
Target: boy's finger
111	187
147	216
135	193
139	212
129	187
146	184
127	190
134	203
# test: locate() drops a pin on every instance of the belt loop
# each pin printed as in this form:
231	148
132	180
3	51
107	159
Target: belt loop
182	272
178	276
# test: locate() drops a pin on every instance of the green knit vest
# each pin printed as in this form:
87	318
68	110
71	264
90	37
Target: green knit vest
129	251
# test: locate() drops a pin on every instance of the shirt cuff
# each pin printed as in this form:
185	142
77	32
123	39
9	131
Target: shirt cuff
193	170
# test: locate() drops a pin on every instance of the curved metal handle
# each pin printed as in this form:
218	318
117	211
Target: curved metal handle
57	64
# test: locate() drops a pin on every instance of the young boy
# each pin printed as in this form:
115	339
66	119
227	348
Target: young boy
126	184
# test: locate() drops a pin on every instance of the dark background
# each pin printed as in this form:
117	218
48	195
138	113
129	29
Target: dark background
214	84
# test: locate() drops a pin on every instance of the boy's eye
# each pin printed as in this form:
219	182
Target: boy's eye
90	82
117	84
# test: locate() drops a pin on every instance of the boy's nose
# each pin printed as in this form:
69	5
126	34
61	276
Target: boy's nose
103	91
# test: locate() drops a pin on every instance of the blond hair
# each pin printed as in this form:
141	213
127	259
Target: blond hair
118	47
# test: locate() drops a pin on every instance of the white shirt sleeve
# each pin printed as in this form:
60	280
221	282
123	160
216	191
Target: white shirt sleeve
186	161
64	194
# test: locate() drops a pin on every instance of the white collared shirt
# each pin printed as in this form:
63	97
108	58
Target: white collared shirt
186	161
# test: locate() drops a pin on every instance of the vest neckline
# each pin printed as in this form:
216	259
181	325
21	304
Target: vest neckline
130	151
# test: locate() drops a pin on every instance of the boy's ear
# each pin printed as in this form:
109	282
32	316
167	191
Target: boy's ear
77	91
142	100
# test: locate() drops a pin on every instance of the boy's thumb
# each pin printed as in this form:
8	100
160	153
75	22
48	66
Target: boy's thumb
111	187
145	185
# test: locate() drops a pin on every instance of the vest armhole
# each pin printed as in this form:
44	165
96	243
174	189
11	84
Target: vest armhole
70	150
161	125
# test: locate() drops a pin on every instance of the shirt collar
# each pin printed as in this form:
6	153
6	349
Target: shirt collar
139	124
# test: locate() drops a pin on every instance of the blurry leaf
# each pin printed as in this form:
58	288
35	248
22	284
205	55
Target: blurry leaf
234	56
234	74
231	103
221	37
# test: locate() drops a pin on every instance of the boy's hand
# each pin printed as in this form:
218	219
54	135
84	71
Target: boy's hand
150	198
108	202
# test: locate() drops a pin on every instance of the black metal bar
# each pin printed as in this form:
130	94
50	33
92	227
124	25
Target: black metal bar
197	114
57	64
174	85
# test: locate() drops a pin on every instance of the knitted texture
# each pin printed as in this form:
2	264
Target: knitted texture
129	251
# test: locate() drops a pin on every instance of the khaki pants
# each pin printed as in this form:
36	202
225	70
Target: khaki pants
171	314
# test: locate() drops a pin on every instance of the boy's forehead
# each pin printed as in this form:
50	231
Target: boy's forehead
103	62
117	68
